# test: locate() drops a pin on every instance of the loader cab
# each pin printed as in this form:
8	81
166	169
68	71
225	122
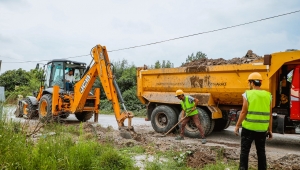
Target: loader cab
56	71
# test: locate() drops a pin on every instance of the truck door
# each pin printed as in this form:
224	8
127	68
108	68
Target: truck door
295	100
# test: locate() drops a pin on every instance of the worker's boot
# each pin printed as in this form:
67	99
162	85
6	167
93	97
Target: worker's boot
203	140
179	138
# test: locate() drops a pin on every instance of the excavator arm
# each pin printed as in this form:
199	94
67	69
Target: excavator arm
101	67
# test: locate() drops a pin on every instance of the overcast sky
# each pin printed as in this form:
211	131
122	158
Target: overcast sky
43	30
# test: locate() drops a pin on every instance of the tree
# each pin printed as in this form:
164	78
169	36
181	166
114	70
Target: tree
190	58
12	78
125	75
169	64
20	82
200	55
163	65
157	64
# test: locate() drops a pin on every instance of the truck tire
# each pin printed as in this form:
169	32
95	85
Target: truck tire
45	108
31	111
84	116
192	131
163	118
212	126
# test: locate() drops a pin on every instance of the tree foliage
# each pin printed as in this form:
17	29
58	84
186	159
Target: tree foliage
125	75
163	64
199	55
20	82
12	78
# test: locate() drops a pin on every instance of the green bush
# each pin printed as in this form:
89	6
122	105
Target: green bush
111	160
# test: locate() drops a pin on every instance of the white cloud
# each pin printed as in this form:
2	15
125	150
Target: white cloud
38	30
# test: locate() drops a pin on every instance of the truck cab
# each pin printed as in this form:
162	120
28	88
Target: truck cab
56	71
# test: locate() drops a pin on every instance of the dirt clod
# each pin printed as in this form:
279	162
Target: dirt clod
199	159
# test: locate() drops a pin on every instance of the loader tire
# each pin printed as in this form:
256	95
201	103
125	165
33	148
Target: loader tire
31	111
84	116
19	110
163	118
207	124
45	108
64	115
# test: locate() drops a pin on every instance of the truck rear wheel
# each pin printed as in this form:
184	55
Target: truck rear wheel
84	116
163	118
45	108
206	122
31	111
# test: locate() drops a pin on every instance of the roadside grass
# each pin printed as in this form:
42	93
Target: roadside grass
70	147
221	165
56	151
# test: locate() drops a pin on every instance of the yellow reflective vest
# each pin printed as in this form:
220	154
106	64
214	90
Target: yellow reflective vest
187	106
258	115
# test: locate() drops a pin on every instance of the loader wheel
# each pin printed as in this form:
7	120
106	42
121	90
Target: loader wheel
84	116
163	118
31	110
19	110
64	115
45	108
207	124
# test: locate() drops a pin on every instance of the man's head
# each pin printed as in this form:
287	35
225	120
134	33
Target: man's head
179	94
71	72
254	80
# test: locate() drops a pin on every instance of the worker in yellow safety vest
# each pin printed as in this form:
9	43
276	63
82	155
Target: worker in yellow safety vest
188	104
256	120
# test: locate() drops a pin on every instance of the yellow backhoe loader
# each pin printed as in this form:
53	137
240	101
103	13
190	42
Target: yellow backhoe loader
57	97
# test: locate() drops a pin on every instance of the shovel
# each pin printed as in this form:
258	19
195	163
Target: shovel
175	125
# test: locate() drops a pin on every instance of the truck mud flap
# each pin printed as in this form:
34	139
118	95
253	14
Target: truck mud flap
278	124
216	113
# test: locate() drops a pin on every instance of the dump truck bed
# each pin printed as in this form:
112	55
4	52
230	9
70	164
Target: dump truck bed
212	85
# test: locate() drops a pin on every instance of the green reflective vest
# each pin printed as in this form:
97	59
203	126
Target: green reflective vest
187	106
258	116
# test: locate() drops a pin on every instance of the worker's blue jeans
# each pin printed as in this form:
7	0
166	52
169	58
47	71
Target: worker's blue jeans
68	86
247	137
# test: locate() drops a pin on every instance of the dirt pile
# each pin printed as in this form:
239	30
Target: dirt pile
290	161
248	58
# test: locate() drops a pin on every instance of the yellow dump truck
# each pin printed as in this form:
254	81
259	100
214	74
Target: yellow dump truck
219	89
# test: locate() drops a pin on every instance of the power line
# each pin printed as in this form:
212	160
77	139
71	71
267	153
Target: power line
186	36
46	60
10	58
181	37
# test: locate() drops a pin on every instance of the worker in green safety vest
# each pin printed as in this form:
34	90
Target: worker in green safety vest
256	120
188	104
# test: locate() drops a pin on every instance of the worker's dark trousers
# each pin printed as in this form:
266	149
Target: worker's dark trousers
247	138
197	123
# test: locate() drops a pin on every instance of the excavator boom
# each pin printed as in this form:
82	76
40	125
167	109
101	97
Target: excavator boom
101	67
